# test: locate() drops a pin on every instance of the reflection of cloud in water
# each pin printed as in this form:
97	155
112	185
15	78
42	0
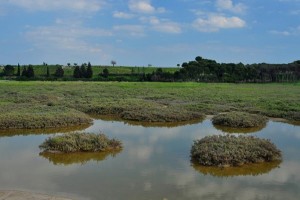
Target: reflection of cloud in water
245	170
77	158
227	129
141	153
26	132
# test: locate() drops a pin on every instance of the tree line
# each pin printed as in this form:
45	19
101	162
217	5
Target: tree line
200	70
207	70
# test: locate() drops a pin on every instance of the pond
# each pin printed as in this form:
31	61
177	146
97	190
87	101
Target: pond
154	164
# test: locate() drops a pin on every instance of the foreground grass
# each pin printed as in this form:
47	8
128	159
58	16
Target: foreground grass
153	102
233	151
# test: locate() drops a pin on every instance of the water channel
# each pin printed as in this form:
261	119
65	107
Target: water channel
154	164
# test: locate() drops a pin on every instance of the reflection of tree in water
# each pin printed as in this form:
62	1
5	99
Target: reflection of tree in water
77	158
227	129
25	132
245	170
147	124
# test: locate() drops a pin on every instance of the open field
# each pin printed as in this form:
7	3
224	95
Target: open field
143	101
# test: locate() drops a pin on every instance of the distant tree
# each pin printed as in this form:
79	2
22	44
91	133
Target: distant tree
69	64
83	71
77	72
105	72
24	72
59	71
8	70
113	62
178	65
30	71
19	70
89	71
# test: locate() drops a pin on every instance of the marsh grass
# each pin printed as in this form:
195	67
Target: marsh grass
239	120
143	101
230	150
30	116
80	142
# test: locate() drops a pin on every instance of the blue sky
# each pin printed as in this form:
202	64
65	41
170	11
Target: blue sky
141	32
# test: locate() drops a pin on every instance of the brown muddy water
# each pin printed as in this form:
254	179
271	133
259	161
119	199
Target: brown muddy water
154	164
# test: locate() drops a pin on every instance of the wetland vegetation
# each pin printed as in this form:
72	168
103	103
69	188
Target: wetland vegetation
80	142
39	104
239	120
229	150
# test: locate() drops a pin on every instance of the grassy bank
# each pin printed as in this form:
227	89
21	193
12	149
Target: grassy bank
155	102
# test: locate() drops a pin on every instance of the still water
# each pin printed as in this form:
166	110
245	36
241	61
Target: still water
154	164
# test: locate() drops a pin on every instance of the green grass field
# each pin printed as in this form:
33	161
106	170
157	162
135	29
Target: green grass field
142	101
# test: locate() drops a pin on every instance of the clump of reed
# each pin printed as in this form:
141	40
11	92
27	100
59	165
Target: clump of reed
229	150
80	142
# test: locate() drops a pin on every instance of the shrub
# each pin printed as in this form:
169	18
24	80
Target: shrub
80	142
239	120
233	151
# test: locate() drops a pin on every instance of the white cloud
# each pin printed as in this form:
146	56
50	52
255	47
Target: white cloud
228	5
143	6
216	22
73	5
164	25
122	15
289	32
133	30
63	36
284	33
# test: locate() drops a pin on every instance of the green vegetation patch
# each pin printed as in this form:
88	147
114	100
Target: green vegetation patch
230	150
80	142
29	116
239	120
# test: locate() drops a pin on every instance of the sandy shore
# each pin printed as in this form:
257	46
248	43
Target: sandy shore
20	195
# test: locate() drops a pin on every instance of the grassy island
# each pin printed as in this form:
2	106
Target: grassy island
239	120
80	142
225	151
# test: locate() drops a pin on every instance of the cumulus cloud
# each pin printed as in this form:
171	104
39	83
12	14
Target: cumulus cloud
73	5
228	5
216	22
143	6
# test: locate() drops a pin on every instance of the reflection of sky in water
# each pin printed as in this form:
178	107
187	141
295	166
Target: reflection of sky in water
154	164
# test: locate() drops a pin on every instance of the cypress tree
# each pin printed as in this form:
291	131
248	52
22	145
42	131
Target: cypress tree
89	71
83	71
30	71
59	71
48	72
19	70
24	71
77	73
